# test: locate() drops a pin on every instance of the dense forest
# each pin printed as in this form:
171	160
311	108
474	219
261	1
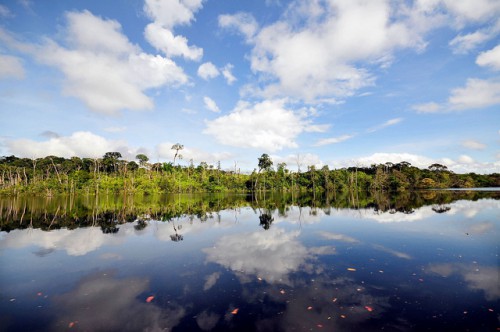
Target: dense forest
52	175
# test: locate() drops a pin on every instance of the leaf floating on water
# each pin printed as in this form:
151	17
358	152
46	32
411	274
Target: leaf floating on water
235	311
259	279
319	325
282	291
309	308
342	316
334	300
370	309
351	269
71	324
149	299
39	294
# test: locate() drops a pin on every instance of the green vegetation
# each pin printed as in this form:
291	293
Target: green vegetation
111	174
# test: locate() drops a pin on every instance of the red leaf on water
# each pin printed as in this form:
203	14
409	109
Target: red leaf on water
71	324
235	311
370	309
149	299
309	308
319	325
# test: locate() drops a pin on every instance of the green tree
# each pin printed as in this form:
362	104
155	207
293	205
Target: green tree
143	159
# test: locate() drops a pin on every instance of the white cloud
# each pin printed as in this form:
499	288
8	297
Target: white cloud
490	58
465	159
463	44
79	144
210	104
11	67
463	164
316	60
103	69
477	93
333	140
227	73
267	125
428	108
207	71
165	15
242	22
164	40
474	145
169	13
471	10
388	123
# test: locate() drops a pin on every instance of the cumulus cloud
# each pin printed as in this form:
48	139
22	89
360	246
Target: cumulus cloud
333	140
477	93
79	144
207	71
316	60
165	15
103	69
210	104
267	125
463	164
473	145
11	67
490	58
164	40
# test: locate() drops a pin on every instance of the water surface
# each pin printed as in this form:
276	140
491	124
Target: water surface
351	262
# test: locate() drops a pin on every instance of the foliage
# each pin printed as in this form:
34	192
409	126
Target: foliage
51	175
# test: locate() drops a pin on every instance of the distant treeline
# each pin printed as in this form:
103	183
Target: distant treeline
51	175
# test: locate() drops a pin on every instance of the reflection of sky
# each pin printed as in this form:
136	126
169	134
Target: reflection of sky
477	277
270	255
299	263
103	302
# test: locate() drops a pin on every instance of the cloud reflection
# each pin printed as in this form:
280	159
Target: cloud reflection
270	255
481	278
103	302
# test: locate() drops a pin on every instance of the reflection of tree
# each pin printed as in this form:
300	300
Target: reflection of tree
266	220
109	212
176	237
141	224
441	208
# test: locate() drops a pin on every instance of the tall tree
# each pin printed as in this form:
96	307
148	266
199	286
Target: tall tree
177	147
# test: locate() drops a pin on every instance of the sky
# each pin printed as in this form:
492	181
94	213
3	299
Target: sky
317	82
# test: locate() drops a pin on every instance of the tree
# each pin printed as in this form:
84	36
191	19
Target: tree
177	147
143	159
110	160
265	163
437	167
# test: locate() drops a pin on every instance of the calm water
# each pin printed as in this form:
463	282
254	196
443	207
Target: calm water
190	263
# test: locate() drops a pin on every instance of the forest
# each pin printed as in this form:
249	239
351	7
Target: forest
111	174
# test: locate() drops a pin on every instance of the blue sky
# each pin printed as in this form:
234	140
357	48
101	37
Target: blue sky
337	83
